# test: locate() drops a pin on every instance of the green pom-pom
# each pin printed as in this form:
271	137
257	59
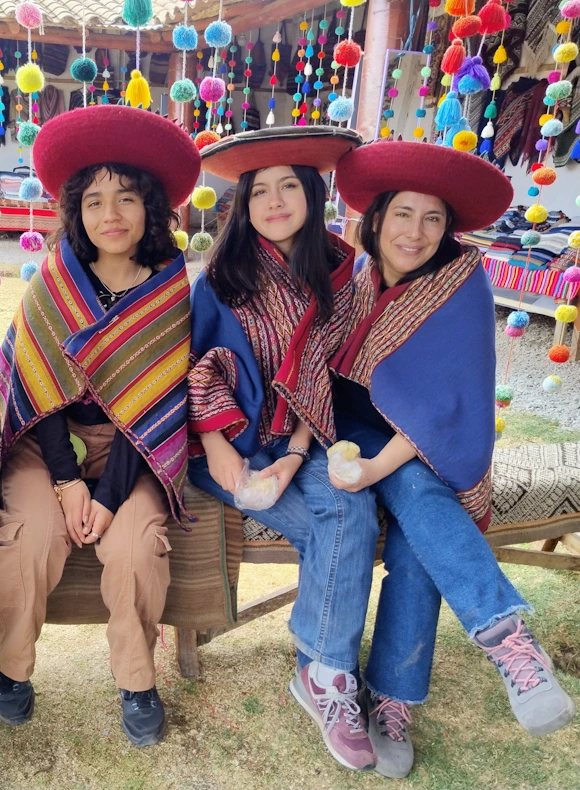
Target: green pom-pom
559	90
27	133
83	70
330	212
201	242
504	393
137	12
491	110
183	91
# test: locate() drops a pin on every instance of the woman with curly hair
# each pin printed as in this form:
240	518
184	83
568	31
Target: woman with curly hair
93	390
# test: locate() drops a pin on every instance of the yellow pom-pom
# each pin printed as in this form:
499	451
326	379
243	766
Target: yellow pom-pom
563	27
352	3
536	213
1	65
295	112
547	116
385	131
446	80
204	197
441	99
495	82
196	113
138	92
566	53
30	78
315	114
574	240
105	85
500	55
499	425
34	55
465	141
276	55
181	239
566	313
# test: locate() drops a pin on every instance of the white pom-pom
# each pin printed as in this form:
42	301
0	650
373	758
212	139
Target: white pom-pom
308	70
270	120
488	130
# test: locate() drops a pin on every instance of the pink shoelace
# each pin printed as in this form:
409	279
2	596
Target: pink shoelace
517	652
392	717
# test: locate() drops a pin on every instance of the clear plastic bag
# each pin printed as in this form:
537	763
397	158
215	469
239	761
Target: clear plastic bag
254	492
342	462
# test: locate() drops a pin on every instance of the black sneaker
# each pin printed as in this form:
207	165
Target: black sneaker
16	701
143	716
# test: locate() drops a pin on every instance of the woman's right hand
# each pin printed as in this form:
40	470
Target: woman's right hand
224	462
76	506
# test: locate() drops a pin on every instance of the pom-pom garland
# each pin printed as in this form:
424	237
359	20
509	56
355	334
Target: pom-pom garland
137	92
515	331
28	270
552	128
201	242
341	109
552	384
454	57
137	13
212	89
572	274
460	7
493	18
571	9
330	212
83	70
465	141
566	313
27	133
544	176
30	78
559	354
28	15
574	240
204	198
218	34
31	241
536	213
503	395
518	318
466	26
531	238
30	189
185	37
565	53
183	91
206	138
559	90
347	53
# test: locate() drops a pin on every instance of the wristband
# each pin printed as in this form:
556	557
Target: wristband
295	450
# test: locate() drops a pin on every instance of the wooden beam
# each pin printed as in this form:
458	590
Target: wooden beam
73	38
539	559
271	12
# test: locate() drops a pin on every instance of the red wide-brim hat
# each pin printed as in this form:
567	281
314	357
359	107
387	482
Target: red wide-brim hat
320	147
477	191
115	133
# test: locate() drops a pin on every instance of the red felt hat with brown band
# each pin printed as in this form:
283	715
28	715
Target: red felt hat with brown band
314	146
477	192
114	133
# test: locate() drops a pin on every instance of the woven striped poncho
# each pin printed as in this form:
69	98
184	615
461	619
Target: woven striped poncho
132	360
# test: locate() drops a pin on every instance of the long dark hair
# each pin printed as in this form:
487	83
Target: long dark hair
233	270
371	225
157	244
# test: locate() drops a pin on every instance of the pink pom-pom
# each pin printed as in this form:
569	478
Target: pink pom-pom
302	121
31	241
515	331
212	89
246	106
572	275
554	76
424	90
28	15
393	93
571	9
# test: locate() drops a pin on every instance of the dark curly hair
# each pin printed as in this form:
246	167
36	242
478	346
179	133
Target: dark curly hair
157	244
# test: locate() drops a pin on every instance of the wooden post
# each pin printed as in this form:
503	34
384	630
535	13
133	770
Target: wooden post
386	28
186	649
181	113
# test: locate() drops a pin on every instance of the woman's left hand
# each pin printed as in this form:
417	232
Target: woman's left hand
99	522
284	469
370	475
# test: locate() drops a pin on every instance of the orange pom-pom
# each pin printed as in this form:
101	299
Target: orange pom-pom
493	17
466	26
347	53
559	353
544	176
453	57
206	138
459	7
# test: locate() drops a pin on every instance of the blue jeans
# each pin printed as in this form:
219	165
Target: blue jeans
335	534
433	550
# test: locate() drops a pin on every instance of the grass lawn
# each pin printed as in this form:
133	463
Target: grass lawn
238	727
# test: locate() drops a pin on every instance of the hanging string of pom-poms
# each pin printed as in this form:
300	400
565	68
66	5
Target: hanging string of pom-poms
218	36
276	39
184	90
137	13
84	69
347	53
319	83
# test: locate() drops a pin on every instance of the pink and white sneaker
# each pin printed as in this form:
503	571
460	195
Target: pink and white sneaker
337	714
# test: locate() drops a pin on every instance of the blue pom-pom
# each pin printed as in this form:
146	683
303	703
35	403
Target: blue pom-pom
299	78
83	70
104	100
297	97
183	91
27	271
332	96
218	34
429	49
306	87
533	191
549	101
318	85
469	85
309	51
341	109
518	318
552	128
420	113
30	189
460	126
449	111
244	124
531	238
486	146
271	104
137	12
185	37
389	113
576	150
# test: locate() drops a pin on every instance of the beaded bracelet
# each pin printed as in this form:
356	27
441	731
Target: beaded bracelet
304	454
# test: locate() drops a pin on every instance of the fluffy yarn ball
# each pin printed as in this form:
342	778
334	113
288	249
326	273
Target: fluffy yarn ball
28	15
574	240
559	354
559	90
27	133
544	176
459	7
536	213
465	141
212	89
183	91
566	313
83	70
467	26
206	138
565	53
137	12
28	270
531	238
518	318
499	425
204	198
571	9
352	3
30	189
341	109
185	37
330	212
515	331
347	53
572	275
201	242
552	128
30	78
503	395
31	241
181	239
218	34
552	384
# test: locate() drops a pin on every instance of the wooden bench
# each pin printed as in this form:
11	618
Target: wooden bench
536	497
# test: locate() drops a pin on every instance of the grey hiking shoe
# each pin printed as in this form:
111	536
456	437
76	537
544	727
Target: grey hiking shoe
538	701
389	734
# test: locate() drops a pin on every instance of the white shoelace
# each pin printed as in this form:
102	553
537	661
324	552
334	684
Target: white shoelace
331	705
